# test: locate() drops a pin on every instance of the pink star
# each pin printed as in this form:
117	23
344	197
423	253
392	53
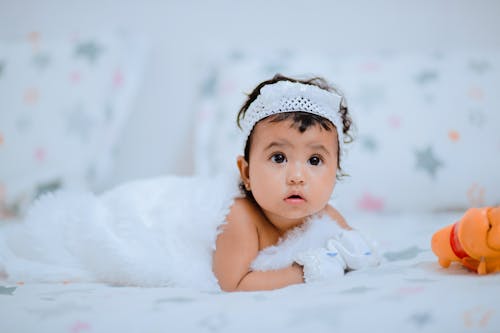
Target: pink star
370	66
75	77
371	203
79	326
40	154
205	113
118	78
395	121
228	87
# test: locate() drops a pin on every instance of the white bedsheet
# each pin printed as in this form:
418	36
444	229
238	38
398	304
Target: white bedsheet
409	292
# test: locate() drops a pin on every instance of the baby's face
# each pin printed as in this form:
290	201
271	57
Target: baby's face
292	174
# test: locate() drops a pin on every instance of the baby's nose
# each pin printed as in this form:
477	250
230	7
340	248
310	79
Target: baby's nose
295	174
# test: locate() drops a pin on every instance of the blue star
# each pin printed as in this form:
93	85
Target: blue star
427	161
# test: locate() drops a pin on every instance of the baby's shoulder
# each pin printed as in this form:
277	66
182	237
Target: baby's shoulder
335	215
239	227
245	217
243	210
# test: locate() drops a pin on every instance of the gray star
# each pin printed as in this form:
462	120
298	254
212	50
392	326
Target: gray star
421	319
210	84
357	290
370	96
427	76
405	254
479	66
88	50
369	143
1	68
79	123
214	323
427	161
477	117
41	60
7	290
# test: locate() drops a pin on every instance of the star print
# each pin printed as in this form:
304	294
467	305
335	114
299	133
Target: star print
209	86
427	161
7	290
41	60
394	121
476	117
371	203
454	135
421	319
371	95
79	123
40	154
479	66
369	143
426	76
89	51
118	78
80	326
475	194
476	93
371	66
274	68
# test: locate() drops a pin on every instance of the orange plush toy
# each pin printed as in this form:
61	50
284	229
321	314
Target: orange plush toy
474	241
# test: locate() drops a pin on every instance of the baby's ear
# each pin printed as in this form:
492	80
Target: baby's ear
243	168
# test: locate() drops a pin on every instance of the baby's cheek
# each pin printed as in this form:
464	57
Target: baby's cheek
325	191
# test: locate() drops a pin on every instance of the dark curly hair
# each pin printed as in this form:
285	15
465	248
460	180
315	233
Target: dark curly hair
301	120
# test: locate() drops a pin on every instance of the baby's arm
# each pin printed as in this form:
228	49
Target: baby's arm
236	248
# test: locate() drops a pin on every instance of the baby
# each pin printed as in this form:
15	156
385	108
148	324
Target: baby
295	131
201	232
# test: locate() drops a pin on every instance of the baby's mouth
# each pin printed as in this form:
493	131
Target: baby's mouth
294	199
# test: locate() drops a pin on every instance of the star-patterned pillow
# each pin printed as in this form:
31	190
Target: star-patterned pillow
62	105
427	125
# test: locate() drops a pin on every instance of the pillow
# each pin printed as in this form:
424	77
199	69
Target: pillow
427	124
62	105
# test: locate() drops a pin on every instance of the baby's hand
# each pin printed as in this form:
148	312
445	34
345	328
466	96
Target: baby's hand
321	264
356	251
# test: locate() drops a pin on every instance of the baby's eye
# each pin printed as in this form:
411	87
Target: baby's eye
278	158
315	160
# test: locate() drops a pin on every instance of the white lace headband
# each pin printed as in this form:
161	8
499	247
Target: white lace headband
286	96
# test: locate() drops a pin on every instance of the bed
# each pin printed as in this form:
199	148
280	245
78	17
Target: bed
416	115
408	292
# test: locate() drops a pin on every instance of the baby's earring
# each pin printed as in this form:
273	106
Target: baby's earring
247	186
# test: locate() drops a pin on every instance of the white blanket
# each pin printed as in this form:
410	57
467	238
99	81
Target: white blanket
157	232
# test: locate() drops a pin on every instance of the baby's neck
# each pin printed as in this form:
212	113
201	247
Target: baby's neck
284	225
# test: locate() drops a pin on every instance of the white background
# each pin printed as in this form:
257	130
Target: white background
186	35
